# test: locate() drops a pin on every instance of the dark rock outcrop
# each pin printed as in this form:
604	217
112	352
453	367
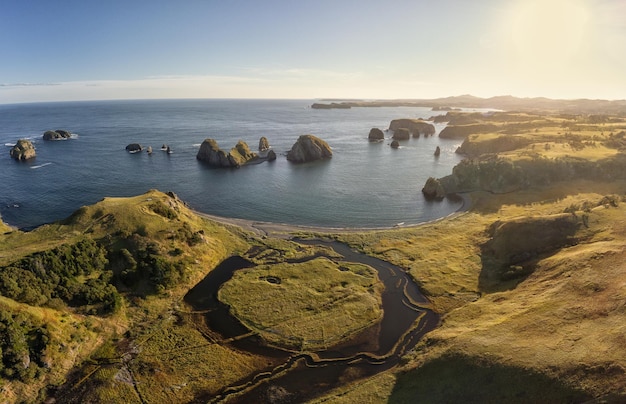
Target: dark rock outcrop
264	144
401	134
433	189
395	144
58	134
271	155
437	151
23	150
211	153
309	148
376	135
134	148
415	126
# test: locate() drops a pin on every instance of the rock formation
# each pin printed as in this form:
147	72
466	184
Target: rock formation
401	134
23	150
264	144
211	153
433	189
415	126
437	151
309	148
376	135
134	148
271	155
58	134
240	154
395	144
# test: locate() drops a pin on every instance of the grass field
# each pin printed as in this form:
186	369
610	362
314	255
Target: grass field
305	306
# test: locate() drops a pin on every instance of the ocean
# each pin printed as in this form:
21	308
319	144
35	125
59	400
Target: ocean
363	185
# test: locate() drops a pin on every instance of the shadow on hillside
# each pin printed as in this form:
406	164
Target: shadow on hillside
461	379
489	203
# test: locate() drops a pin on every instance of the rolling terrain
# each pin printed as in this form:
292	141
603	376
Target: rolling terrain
529	282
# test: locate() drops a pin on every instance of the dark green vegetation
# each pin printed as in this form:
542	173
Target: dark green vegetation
23	346
72	274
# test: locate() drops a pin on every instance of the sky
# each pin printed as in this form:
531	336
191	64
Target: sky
67	50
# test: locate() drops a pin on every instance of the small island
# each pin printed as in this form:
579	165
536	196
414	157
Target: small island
23	150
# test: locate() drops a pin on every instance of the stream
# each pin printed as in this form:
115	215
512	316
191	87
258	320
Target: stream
304	376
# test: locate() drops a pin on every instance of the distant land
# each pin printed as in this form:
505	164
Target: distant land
504	102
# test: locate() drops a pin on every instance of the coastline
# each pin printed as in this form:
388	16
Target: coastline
285	230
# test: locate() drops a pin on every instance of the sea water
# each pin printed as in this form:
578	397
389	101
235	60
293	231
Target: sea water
363	185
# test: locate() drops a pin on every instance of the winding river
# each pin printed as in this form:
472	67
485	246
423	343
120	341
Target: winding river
299	377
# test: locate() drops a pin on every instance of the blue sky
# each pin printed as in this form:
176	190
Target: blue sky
76	50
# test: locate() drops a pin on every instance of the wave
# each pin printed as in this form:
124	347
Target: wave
10	144
41	165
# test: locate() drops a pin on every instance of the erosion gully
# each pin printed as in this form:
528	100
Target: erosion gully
302	376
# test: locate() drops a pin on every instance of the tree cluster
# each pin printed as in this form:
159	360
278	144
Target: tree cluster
22	347
72	274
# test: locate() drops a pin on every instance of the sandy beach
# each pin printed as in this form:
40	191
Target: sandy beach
284	230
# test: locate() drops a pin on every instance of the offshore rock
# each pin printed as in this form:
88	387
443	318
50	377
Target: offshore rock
433	189
58	134
415	126
401	134
23	150
240	154
211	153
271	155
309	148
395	144
376	135
134	148
264	144
437	151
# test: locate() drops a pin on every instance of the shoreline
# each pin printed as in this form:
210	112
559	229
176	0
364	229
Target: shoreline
285	230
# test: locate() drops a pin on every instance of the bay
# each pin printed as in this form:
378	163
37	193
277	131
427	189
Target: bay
363	185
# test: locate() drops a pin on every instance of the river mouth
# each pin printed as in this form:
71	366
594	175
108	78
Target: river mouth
304	375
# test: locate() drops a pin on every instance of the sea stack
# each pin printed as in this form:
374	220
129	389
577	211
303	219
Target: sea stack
23	150
58	134
264	144
376	135
401	134
211	154
309	148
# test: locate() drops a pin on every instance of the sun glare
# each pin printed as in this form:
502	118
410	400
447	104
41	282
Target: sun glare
547	34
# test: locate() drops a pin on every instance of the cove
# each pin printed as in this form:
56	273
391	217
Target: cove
303	376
